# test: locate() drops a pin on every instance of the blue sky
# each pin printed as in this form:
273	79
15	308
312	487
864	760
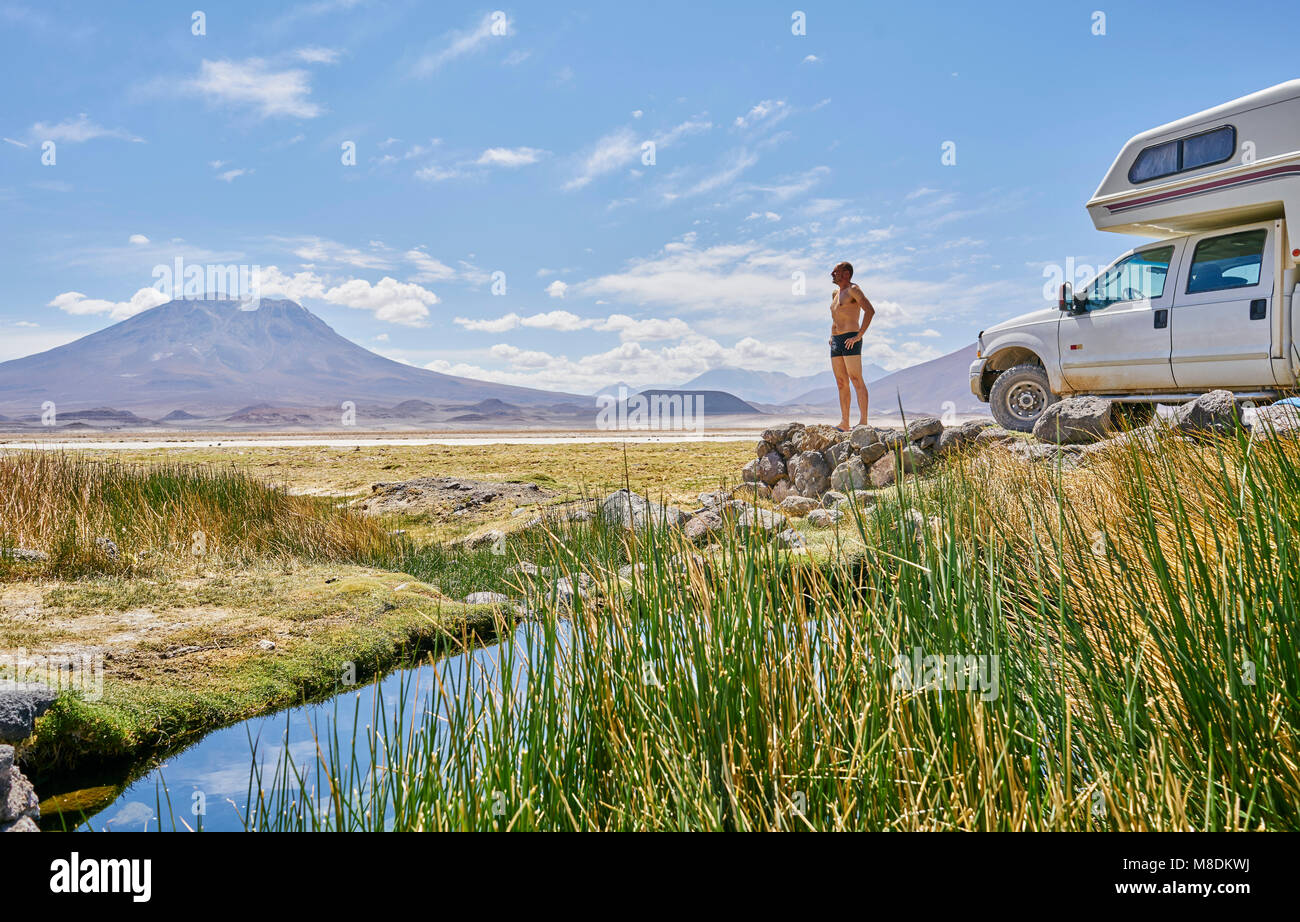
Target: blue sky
507	144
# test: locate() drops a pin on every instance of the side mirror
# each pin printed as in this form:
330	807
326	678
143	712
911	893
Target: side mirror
1066	302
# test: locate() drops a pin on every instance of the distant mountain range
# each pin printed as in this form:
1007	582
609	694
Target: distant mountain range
211	357
212	365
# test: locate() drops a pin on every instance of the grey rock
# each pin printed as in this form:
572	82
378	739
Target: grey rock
751	491
1076	421
850	476
790	538
1279	420
954	438
770	468
267	645
564	592
714	498
752	518
810	473
824	518
832	498
20	704
108	546
25	555
786	450
749	473
927	443
491	537
634	512
1216	411
992	434
778	434
816	438
703	525
923	427
783	489
838	452
872	453
862	436
486	598
18	800
798	506
909	459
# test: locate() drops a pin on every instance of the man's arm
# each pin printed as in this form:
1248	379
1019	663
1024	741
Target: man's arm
868	312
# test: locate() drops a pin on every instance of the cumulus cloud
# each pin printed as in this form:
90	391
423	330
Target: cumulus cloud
76	303
138	239
391	301
255	84
557	289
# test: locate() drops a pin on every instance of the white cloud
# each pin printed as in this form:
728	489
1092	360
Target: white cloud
434	173
459	44
77	130
498	325
622	147
628	328
557	289
77	304
316	55
811	59
232	175
388	299
138	239
255	84
330	252
13	142
768	113
428	269
510	157
272	283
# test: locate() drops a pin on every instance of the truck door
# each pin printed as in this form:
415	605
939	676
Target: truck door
1222	316
1120	342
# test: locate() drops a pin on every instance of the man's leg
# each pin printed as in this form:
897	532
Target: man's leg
853	365
842	382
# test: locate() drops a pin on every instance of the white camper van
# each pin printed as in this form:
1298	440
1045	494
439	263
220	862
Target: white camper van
1207	304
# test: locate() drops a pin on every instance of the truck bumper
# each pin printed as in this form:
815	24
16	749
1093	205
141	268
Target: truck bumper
977	379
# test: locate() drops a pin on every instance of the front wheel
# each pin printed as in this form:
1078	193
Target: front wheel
1019	396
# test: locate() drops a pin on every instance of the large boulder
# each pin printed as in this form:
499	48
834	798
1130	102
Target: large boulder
907	459
1216	411
20	704
810	473
923	427
798	506
633	511
850	476
872	453
778	434
862	436
781	489
1076	421
816	438
770	468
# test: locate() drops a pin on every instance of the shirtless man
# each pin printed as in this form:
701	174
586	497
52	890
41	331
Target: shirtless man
847	303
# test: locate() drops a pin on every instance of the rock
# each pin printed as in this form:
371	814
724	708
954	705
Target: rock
993	434
810	473
491	537
749	473
850	476
714	498
893	438
923	427
778	434
25	555
564	592
954	438
267	645
783	489
787	450
19	806
872	453
815	438
798	506
1075	421
752	518
838	452
862	436
634	512
627	571
927	443
1146	436
20	704
108	546
1216	411
770	468
1281	420
751	491
1031	451
704	525
824	518
790	538
885	471
487	598
832	498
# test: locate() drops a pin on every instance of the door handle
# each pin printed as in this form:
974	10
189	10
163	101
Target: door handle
1259	309
1162	318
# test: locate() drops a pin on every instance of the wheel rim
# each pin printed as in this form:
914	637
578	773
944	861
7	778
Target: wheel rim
1026	400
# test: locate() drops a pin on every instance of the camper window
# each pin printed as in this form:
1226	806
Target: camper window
1140	276
1230	261
1190	153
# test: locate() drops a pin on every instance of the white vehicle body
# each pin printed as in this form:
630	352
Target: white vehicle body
1207	304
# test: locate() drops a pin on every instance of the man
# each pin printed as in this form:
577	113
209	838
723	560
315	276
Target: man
847	304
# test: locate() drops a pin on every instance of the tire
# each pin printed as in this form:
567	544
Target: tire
1019	396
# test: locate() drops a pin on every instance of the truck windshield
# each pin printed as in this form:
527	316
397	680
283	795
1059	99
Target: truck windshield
1134	278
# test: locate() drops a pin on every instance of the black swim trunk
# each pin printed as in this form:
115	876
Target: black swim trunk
838	347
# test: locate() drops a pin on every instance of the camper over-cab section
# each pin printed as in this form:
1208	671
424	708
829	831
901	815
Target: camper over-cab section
1234	164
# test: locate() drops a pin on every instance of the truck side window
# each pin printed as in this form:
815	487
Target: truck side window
1140	276
1230	261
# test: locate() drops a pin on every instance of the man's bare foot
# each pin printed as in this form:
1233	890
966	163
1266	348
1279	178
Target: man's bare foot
843	425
